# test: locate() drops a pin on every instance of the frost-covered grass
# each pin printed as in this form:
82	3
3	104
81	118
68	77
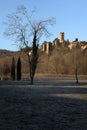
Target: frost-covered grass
49	104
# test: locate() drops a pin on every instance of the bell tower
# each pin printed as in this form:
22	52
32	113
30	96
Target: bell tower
61	37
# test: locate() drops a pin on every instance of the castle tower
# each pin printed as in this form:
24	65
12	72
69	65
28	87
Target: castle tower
43	47
61	37
48	47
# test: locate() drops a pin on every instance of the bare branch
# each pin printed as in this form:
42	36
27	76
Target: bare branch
22	27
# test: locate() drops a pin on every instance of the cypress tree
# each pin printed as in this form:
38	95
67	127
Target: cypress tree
19	69
13	69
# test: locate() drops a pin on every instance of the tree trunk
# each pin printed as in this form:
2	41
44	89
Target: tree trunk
31	72
33	59
76	76
31	76
31	80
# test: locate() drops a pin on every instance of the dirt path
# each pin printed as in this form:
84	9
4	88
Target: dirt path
56	106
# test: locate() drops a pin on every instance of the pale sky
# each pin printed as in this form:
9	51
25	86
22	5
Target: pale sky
70	15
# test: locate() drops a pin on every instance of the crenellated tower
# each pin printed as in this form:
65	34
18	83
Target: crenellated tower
61	37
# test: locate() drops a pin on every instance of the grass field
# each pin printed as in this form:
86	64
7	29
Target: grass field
49	104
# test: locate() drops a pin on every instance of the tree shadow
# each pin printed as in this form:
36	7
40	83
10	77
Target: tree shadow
46	81
59	82
42	107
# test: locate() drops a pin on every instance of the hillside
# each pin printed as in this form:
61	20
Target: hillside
59	62
6	53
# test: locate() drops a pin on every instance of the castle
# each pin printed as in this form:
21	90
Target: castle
49	46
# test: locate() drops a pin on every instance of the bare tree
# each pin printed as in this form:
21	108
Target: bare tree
55	62
23	28
76	53
58	61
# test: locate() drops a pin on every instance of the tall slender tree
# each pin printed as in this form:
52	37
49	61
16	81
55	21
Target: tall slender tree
19	69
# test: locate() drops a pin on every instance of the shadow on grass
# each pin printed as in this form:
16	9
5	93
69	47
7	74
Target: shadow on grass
46	81
37	107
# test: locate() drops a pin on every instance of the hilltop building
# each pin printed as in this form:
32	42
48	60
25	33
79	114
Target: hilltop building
61	38
47	47
78	44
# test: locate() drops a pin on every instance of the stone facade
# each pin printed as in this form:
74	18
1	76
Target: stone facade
48	46
57	43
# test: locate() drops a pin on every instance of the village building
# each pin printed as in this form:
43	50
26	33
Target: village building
47	47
